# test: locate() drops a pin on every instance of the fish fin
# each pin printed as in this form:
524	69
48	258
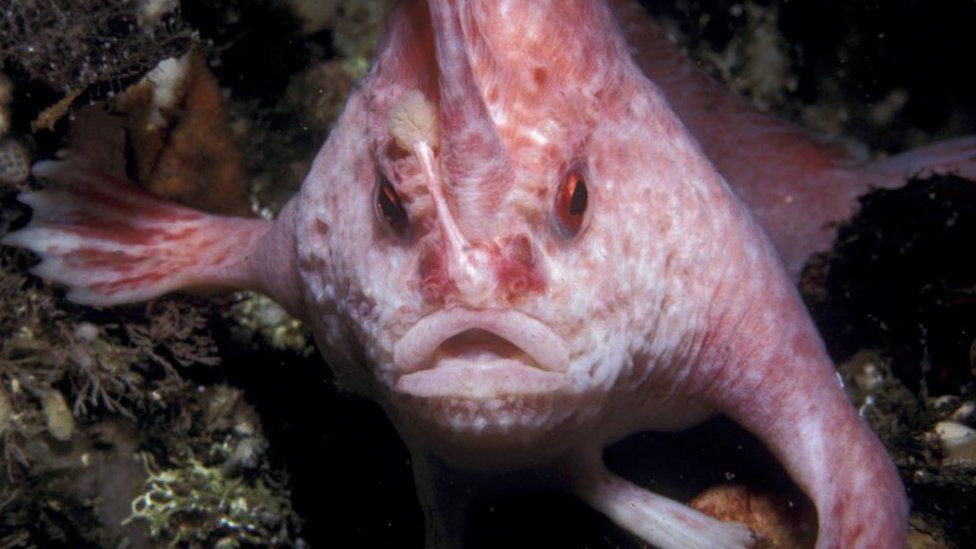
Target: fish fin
767	369
655	519
951	157
800	187
112	242
795	184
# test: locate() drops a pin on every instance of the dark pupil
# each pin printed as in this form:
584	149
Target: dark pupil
577	202
392	209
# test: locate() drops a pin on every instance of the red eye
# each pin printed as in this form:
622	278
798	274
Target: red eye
389	209
571	200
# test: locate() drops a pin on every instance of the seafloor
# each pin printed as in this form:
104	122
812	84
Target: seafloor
211	421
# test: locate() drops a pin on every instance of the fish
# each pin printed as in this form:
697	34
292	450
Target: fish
525	244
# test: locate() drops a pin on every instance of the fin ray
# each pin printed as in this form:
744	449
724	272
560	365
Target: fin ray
112	242
951	157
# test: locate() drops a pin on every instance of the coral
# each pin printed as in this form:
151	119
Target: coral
258	314
180	141
191	503
216	488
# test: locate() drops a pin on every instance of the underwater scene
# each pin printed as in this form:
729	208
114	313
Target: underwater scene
464	273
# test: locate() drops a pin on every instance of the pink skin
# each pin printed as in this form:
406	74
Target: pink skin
495	340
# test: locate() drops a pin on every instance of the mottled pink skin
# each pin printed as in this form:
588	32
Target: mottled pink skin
668	306
671	300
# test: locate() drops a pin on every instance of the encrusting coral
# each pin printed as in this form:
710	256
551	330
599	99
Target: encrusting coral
192	503
181	145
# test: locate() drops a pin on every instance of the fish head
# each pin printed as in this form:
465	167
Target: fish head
480	235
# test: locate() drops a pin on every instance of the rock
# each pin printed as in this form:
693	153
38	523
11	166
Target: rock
778	521
958	443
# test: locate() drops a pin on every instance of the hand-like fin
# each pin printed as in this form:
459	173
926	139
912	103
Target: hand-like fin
112	242
655	519
954	156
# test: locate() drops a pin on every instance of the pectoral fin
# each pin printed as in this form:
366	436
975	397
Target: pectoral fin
112	242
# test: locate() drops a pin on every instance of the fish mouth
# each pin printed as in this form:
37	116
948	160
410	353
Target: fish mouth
479	354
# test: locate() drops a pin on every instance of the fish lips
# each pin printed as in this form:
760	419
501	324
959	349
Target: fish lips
480	355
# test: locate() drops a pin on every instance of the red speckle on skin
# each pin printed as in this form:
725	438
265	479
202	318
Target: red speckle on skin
435	281
221	257
115	232
182	234
100	259
688	519
131	199
838	509
516	268
492	96
513	260
143	280
804	344
321	227
540	76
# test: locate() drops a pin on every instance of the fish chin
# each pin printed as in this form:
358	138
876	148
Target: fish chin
485	410
492	435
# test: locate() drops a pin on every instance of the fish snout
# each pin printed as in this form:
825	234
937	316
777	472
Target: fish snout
504	270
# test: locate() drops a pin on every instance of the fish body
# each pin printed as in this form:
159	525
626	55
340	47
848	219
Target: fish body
513	243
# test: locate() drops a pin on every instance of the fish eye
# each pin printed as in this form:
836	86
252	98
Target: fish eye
571	201
388	207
